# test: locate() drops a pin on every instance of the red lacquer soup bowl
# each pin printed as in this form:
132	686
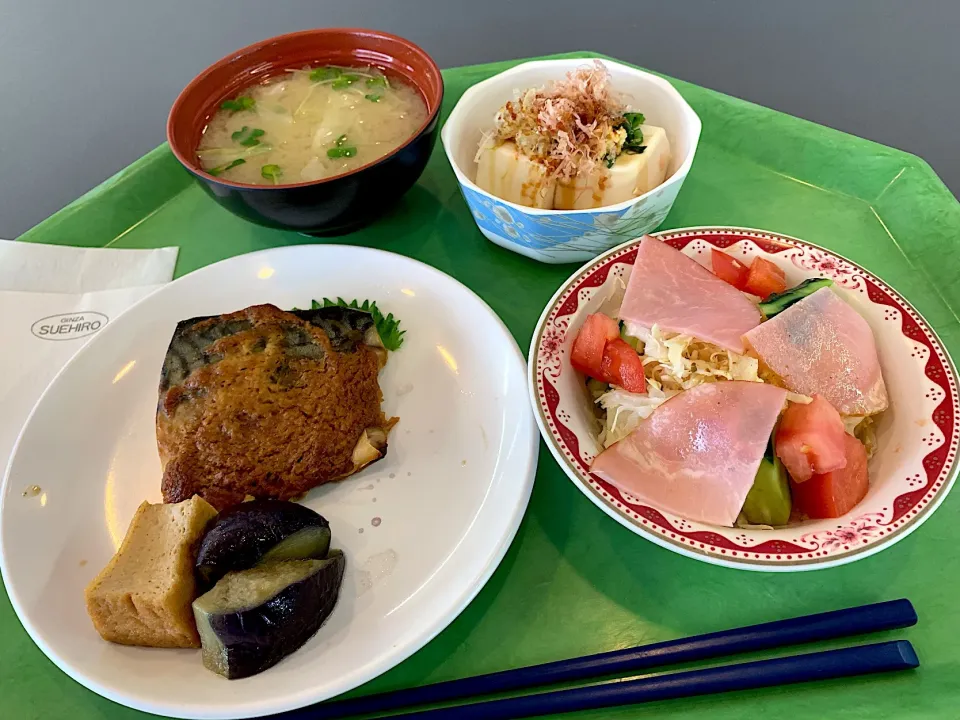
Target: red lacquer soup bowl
331	205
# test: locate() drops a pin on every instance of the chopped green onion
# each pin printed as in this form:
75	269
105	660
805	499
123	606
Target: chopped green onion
248	137
341	140
244	102
631	124
378	81
325	73
271	172
341	152
372	97
344	81
220	169
255	150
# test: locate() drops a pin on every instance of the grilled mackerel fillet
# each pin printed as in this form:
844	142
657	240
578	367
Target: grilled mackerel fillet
269	404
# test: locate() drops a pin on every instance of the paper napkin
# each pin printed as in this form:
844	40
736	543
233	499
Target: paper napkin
53	301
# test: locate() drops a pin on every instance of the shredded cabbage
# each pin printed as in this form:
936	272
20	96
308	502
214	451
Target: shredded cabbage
625	410
850	423
863	428
672	363
610	305
680	362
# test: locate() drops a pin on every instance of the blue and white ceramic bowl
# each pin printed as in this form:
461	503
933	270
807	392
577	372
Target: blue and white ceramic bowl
561	236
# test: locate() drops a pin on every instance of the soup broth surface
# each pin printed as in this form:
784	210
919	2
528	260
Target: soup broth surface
310	124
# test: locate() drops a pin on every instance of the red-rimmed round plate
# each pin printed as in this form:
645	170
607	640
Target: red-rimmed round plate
914	466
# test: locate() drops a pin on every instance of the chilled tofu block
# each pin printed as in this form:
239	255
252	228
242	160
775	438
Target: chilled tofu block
502	171
632	174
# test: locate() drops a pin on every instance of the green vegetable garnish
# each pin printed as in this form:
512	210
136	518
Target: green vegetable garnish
769	453
271	172
373	98
244	102
596	388
341	140
628	339
778	302
220	169
325	73
341	152
379	81
631	123
249	152
248	137
388	328
344	81
768	502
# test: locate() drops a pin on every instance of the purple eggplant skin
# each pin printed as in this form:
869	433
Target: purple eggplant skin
238	643
245	534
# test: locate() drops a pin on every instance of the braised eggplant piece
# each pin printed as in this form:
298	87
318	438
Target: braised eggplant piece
254	618
257	531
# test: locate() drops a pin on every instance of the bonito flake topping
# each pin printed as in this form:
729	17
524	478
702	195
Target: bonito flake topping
571	125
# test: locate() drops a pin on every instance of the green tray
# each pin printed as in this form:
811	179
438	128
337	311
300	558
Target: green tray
574	582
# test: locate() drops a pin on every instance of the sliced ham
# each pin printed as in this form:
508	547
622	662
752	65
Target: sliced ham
696	456
821	345
676	293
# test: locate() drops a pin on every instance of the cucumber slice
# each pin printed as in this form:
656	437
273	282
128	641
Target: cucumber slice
779	302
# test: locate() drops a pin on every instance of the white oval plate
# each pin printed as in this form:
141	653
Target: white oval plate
917	437
422	529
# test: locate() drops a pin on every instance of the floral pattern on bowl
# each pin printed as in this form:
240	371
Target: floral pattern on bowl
916	462
568	236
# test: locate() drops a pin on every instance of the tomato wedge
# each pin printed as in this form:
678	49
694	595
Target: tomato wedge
587	354
623	367
765	279
729	269
832	494
810	439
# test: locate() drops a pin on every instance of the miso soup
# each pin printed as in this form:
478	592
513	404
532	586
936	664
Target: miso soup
310	124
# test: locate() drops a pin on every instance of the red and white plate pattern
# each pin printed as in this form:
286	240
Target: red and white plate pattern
913	469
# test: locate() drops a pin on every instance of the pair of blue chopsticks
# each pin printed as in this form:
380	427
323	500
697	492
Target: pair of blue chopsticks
845	662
